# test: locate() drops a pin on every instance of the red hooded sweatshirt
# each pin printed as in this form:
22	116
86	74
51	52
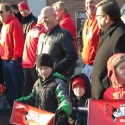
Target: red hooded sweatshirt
12	39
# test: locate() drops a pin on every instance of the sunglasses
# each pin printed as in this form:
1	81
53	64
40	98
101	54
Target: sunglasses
1	12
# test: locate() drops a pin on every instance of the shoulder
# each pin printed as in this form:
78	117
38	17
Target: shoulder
108	93
14	21
37	83
60	81
61	84
34	18
61	31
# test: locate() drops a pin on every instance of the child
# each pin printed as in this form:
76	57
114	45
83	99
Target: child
49	92
80	91
116	73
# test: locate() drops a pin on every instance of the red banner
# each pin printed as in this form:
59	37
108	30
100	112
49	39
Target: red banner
23	114
106	112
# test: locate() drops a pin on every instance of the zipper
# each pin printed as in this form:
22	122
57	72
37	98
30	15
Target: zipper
120	95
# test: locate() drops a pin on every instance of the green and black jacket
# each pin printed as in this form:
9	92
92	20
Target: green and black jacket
50	95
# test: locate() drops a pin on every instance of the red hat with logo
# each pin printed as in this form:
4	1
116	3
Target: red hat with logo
78	81
23	6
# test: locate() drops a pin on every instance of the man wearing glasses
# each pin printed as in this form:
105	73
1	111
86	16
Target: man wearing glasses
11	49
112	40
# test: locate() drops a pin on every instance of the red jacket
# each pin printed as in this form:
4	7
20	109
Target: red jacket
90	36
115	93
29	53
12	39
67	23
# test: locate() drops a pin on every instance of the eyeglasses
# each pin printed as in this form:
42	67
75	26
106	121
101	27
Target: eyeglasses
1	12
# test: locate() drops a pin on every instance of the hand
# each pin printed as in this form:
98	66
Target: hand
60	113
14	58
2	88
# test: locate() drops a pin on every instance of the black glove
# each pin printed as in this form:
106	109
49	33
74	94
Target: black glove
60	113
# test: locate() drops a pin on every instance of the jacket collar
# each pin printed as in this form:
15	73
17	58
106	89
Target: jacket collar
10	17
25	19
54	28
66	15
112	27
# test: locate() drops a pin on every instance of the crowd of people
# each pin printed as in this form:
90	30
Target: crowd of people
38	57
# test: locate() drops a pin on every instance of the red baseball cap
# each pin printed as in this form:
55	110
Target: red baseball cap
23	6
78	81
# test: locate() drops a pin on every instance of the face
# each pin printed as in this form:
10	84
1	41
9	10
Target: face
59	13
120	73
12	10
24	13
101	18
3	14
45	71
78	90
48	19
90	6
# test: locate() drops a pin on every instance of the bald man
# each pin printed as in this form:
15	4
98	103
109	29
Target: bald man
57	42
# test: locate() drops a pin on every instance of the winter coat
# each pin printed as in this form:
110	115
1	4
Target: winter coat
28	23
30	46
90	36
112	41
50	95
117	90
67	23
12	39
79	117
59	45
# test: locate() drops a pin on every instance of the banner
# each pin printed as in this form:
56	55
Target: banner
23	114
106	112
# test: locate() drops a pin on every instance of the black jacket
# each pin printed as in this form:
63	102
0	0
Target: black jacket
60	46
28	22
112	41
50	95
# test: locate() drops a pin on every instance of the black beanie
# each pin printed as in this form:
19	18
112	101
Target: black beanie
44	60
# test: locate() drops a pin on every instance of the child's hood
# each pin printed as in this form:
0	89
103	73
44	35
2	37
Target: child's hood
112	63
87	85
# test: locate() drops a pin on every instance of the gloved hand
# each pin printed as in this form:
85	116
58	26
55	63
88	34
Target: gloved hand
60	113
66	108
2	88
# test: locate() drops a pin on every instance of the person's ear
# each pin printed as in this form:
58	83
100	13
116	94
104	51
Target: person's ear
107	18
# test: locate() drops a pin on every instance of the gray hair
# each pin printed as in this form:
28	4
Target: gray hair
60	5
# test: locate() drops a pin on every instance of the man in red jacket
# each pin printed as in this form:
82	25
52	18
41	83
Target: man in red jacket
11	46
66	22
29	56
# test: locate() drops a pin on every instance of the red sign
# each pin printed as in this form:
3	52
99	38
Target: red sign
23	114
106	112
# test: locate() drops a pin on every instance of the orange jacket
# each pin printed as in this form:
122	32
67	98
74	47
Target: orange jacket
12	39
90	36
